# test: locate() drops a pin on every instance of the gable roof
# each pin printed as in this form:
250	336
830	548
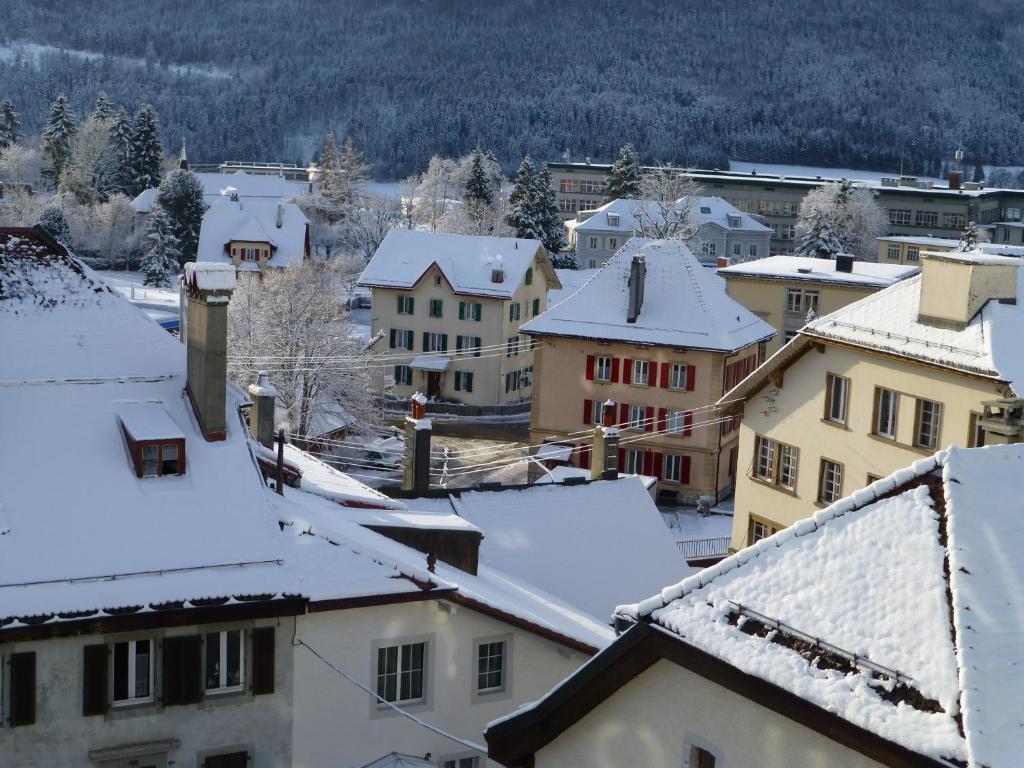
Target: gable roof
227	221
685	305
865	273
466	261
896	609
705	209
253	187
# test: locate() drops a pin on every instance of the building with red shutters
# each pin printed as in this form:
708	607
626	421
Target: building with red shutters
654	332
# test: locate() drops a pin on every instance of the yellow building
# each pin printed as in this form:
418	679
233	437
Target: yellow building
784	290
653	332
447	311
876	385
907	249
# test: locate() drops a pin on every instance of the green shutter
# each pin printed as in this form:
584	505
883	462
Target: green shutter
412	304
401	304
478	311
391	338
536	307
529	276
426	341
468	380
458	343
462	310
479	342
444	342
458	381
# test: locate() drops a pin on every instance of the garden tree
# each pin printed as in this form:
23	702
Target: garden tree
666	208
480	180
161	253
52	220
10	125
624	178
436	191
121	145
57	135
90	173
855	219
368	224
478	184
181	196
328	178
407	189
109	231
817	237
293	321
969	238
103	109
19	164
353	173
146	154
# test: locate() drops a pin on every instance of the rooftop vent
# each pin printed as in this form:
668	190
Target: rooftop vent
844	263
497	275
637	276
280	215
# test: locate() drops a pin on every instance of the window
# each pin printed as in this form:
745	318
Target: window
887	404
893	252
613	243
788	336
775	462
976	433
737	249
470	310
593	243
899	216
634	462
735	222
762	352
759	528
462	762
490	667
708	248
787	232
512	346
225	662
436	306
613	219
830	486
159	459
604	369
400	339
787	466
592	264
673	467
133	672
926	219
435	342
928	423
764	468
405	305
752	250
641	371
403	375
678	376
675	423
1008	214
224	760
790	209
536	307
463	381
801	301
400	672
513	311
836	392
636	417
528	280
912	252
468	346
700	758
954	220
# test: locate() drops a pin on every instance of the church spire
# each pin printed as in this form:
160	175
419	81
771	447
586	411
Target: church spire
183	159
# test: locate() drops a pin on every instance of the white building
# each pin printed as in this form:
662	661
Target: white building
886	630
254	235
722	230
248	187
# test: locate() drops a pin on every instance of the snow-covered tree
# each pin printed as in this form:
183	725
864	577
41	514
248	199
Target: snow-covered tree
623	181
103	109
147	154
10	125
328	175
121	129
565	260
56	225
181	196
554	235
481	210
353	174
109	232
161	252
294	322
817	237
855	220
523	217
479	183
436	191
57	136
19	164
665	210
410	211
367	225
90	173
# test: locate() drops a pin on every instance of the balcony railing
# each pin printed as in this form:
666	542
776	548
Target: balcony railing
698	549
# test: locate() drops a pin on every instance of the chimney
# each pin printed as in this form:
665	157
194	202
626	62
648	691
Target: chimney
234	195
416	468
637	274
280	215
723	262
844	263
604	464
261	417
955	285
1002	421
956	179
209	287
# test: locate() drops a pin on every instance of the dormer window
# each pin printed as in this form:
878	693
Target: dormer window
734	222
613	219
156	447
706	210
497	275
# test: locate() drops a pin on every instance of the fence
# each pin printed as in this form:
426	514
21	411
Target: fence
697	549
458	409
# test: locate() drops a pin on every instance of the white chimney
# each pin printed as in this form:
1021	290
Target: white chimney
957	284
280	215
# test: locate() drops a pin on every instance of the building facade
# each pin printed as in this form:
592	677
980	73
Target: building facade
447	310
253	236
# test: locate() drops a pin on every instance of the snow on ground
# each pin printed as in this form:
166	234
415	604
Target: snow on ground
34	52
130	284
391	189
685	524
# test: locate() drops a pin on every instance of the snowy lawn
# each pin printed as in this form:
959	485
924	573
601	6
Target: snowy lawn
130	285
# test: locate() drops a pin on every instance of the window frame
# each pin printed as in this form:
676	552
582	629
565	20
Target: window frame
673	378
894	408
633	461
222	648
832	380
768	468
598	359
406	305
633	422
505	689
936	439
436	308
645	366
823	478
675	459
423	700
767	528
132	682
975	433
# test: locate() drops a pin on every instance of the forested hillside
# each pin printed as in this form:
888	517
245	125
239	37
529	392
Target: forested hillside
802	81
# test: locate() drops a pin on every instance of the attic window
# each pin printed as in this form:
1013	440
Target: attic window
156	447
705	209
497	275
734	222
613	219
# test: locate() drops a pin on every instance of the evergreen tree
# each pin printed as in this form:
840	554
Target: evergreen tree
523	216
146	157
161	253
548	214
180	197
103	109
352	173
56	226
479	185
10	125
969	239
819	240
624	178
121	144
328	178
57	135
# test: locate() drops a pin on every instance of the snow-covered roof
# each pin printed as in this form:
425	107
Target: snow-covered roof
571	281
589	545
865	273
430	363
397	760
245	220
322	479
251	187
467	262
148	421
912	588
684	305
622	215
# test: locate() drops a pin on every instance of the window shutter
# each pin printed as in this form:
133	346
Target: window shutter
412	303
23	688
662	418
401	304
467	378
426	341
684	473
171	660
666	368
94	679
622	459
648	463
458	380
623	413
444	342
458	343
658	462
462	310
263	660
687	423
391	338
649	419
615	370
590	367
479	343
627	371
584	457
477	310
652	375
181	669
588	411
691	376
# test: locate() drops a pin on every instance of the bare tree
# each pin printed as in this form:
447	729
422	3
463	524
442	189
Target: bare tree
91	169
110	231
410	213
436	191
20	164
666	208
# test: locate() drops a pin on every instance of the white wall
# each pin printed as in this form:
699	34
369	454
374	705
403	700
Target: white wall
650	721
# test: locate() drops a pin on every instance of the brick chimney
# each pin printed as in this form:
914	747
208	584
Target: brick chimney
209	287
604	464
416	465
955	179
637	275
261	418
957	284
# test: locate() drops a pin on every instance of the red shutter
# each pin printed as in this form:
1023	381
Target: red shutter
691	376
684	474
627	371
588	411
615	370
649	419
622	459
652	375
662	418
687	423
590	367
659	465
648	463
623	414
665	370
584	457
